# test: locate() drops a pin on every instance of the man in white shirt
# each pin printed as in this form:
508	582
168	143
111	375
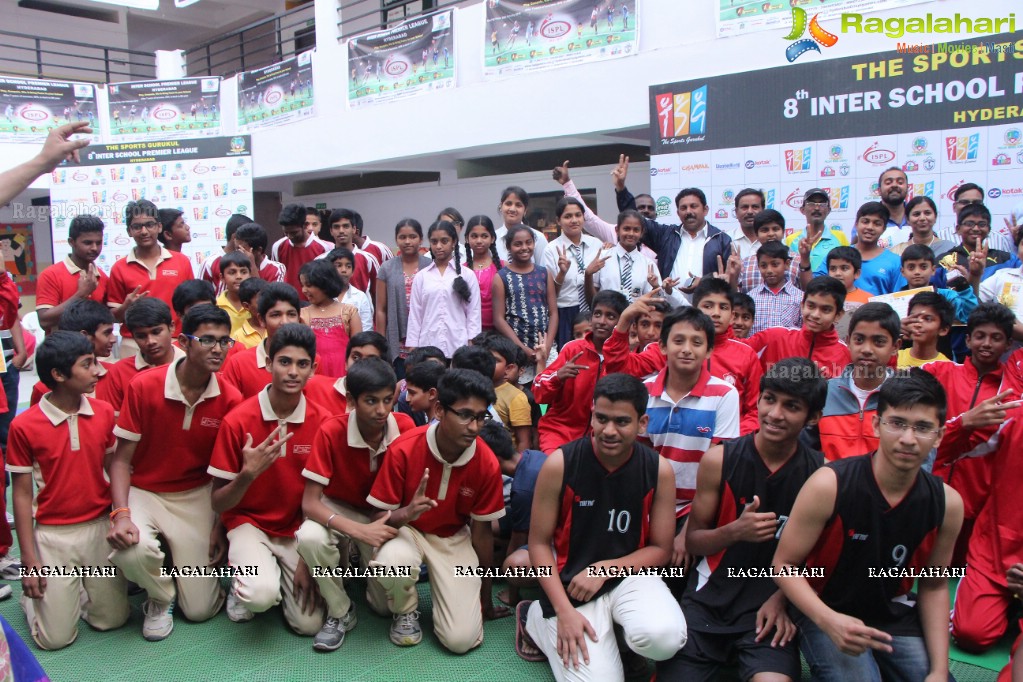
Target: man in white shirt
748	203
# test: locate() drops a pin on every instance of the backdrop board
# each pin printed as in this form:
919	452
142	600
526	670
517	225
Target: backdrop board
277	94
150	110
32	107
207	178
412	57
534	35
945	117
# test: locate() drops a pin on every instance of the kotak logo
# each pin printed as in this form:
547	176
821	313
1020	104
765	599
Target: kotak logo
682	113
655	171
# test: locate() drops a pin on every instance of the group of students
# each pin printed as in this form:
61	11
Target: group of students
703	485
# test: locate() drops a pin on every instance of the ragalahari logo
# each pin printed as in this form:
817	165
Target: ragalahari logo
818	36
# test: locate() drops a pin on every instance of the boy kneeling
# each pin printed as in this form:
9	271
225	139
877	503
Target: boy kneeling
608	504
63	440
257	466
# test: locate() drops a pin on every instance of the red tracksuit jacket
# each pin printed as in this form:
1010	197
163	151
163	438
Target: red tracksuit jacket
824	348
569	402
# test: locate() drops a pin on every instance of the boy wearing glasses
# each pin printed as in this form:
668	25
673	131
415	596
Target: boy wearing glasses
816	208
159	483
973	226
149	269
442	486
875	523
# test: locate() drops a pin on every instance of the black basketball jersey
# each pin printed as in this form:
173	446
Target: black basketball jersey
603	515
714	601
866	539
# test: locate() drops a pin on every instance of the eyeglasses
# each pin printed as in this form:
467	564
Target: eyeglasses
897	427
138	227
211	341
970	224
816	204
466	417
967	202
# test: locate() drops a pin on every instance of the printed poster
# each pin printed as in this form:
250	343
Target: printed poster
533	35
19	254
276	95
735	17
32	107
413	57
158	110
206	178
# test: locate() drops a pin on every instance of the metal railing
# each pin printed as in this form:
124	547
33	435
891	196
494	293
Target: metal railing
373	15
53	58
258	44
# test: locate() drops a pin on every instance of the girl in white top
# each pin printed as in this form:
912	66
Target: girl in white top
514	202
567	257
444	310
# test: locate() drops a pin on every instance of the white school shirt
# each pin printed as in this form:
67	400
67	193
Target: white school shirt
575	280
610	276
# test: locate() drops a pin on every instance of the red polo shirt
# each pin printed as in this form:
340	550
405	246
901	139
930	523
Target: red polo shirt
129	272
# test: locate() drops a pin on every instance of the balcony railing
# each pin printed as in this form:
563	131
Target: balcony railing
53	58
258	44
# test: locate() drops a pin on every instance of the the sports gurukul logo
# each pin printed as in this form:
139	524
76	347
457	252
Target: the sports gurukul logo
818	36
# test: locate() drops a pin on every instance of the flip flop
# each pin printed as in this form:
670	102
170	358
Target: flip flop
525	647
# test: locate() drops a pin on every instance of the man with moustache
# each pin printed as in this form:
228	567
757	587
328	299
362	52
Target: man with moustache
893	190
816	208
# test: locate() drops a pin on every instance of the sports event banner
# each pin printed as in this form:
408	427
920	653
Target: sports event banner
413	57
150	110
32	107
746	16
945	117
207	178
277	94
532	35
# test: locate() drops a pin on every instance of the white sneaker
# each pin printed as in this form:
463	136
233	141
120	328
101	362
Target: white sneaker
6	592
405	630
10	567
159	620
237	611
10	517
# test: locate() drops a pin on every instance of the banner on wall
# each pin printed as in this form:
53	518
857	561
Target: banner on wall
946	118
276	95
735	17
19	254
415	56
206	178
533	35
32	107
150	110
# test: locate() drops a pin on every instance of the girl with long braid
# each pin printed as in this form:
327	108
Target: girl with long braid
444	310
481	257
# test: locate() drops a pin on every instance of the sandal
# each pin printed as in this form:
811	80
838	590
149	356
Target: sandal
525	647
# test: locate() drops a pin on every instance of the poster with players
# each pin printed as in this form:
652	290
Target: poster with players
945	118
32	107
746	16
277	94
532	35
410	58
19	254
206	178
150	110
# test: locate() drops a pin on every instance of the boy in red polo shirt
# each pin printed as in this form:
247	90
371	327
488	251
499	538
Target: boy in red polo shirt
438	480
93	320
77	278
257	489
278	305
149	320
297	247
330	393
339	474
63	441
158	480
148	269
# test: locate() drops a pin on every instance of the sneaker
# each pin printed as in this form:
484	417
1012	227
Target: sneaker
159	620
10	517
405	630
10	567
237	611
6	592
332	635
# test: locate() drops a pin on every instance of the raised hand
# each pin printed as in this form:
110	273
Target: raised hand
58	147
992	411
563	262
620	172
560	173
420	503
376	533
652	278
135	295
256	460
753	526
88	280
570	369
596	264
